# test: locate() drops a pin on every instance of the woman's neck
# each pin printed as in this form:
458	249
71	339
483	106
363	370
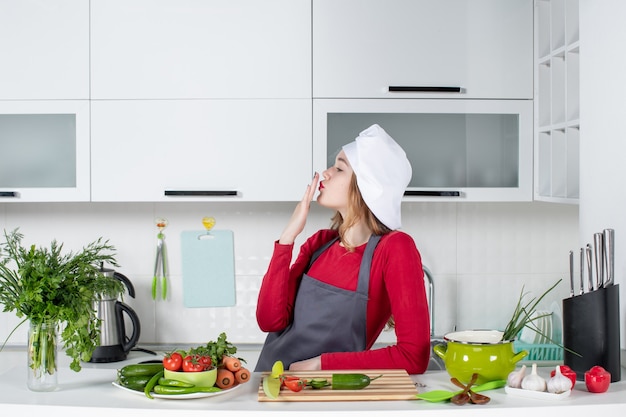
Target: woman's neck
357	235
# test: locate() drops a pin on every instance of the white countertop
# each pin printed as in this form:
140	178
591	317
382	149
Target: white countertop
90	392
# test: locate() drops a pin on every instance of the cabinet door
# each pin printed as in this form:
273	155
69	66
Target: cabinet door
200	150
166	49
460	150
44	47
45	150
362	47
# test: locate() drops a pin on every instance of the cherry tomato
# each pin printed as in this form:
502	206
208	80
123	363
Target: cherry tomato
294	384
173	361
205	361
597	379
192	364
568	372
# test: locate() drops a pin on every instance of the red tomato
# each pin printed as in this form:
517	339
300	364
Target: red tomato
295	384
192	364
597	379
568	372
205	361
173	361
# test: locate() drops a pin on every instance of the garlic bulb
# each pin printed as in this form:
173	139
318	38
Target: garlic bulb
559	383
534	382
514	380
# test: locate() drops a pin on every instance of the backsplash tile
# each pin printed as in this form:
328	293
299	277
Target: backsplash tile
479	253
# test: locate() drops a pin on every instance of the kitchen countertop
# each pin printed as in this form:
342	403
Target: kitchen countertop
90	392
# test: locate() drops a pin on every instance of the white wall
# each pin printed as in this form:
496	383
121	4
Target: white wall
481	254
603	143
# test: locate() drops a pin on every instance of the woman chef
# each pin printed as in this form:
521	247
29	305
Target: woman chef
348	282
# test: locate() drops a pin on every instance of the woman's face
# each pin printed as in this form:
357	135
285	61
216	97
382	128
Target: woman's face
335	185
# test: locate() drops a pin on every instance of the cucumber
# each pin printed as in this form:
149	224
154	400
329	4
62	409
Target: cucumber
351	381
140	369
134	381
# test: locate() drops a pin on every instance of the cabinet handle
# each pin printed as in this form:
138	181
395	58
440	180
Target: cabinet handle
423	89
202	193
9	194
432	193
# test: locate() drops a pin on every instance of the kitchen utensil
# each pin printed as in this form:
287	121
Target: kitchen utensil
571	273
160	264
609	255
589	268
478	351
436	396
598	246
582	272
475	398
395	384
463	397
208	267
114	344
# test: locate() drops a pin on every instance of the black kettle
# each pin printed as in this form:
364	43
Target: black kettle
114	344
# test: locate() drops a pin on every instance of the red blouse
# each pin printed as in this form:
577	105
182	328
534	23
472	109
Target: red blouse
396	288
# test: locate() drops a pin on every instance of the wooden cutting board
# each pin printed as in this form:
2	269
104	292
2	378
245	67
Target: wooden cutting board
394	384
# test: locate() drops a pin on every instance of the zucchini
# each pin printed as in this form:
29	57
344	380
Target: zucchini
351	381
140	369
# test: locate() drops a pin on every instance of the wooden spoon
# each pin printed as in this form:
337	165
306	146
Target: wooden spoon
463	396
474	397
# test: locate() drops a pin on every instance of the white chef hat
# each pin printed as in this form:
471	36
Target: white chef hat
382	172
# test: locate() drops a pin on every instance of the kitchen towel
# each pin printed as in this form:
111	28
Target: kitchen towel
208	267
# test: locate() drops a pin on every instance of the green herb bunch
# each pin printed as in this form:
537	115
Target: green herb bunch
45	286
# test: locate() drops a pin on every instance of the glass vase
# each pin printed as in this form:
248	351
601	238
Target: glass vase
42	356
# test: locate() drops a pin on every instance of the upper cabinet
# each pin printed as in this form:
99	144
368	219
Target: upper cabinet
44	47
557	103
423	48
147	49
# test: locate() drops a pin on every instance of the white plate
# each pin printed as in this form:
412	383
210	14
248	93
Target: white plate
526	393
181	396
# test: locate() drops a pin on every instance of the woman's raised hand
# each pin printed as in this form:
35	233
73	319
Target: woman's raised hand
298	218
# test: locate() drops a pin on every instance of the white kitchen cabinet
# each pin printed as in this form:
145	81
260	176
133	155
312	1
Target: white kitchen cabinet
361	48
45	150
557	107
460	150
200	150
44	48
172	49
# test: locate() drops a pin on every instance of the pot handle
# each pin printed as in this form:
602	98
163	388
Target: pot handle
440	350
519	356
120	309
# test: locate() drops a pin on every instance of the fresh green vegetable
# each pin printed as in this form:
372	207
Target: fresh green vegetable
351	381
174	383
167	390
317	383
152	383
134	380
140	369
47	287
216	350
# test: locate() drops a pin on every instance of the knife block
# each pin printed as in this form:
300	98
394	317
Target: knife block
591	328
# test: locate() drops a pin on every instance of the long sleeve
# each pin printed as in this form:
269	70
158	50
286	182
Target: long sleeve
278	290
396	285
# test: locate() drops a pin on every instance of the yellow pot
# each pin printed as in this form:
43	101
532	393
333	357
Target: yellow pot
478	351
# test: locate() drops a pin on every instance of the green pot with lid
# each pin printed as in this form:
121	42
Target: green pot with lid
478	351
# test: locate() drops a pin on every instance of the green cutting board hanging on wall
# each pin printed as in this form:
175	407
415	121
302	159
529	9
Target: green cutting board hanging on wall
208	263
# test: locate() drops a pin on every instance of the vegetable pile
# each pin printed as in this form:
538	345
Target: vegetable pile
150	378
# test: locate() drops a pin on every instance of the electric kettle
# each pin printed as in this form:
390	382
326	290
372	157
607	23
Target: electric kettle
114	344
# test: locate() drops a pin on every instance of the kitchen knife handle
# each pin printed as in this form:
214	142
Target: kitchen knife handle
609	255
598	245
200	193
9	194
589	269
571	273
582	271
422	89
419	193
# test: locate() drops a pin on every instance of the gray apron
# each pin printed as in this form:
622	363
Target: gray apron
325	318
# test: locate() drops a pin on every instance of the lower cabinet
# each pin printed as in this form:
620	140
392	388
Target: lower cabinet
200	150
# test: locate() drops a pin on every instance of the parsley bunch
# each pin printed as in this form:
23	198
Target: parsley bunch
45	286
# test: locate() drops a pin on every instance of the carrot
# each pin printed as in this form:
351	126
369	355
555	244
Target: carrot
225	378
242	375
231	363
